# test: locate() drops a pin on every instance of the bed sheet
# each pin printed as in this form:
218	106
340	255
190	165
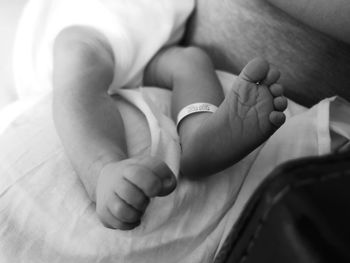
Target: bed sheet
46	216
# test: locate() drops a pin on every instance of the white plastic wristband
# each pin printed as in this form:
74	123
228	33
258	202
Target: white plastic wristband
194	108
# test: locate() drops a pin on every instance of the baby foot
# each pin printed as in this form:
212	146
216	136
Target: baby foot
249	115
124	190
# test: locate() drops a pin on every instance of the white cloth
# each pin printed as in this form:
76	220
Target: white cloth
46	215
136	30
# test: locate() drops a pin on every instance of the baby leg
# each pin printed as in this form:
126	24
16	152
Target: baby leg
249	114
86	117
91	129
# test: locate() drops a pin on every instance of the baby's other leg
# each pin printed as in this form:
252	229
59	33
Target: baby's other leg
86	117
250	113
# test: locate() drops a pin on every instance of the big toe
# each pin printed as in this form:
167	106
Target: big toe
255	71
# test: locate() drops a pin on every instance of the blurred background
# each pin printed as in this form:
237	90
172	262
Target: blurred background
10	11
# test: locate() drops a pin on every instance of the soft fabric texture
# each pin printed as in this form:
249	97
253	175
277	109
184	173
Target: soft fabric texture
46	215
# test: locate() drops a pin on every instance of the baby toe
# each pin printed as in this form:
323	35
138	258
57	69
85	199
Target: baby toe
272	76
276	90
280	103
255	71
277	118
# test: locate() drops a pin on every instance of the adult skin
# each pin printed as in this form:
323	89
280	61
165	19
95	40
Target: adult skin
314	65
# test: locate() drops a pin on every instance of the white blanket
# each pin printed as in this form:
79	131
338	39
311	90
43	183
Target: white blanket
46	216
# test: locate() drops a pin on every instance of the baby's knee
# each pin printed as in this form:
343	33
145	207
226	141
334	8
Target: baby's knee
82	44
193	55
184	60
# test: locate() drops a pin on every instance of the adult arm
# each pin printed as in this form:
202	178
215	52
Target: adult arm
329	17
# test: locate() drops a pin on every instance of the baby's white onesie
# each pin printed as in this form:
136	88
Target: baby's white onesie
136	30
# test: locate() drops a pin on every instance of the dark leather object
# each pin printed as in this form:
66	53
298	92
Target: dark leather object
299	214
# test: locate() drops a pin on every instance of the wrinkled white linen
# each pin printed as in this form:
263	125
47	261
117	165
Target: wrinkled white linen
46	216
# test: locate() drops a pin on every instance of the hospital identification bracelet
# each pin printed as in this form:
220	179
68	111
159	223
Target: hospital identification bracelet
194	108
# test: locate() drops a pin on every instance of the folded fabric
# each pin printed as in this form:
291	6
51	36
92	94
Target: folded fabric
46	215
